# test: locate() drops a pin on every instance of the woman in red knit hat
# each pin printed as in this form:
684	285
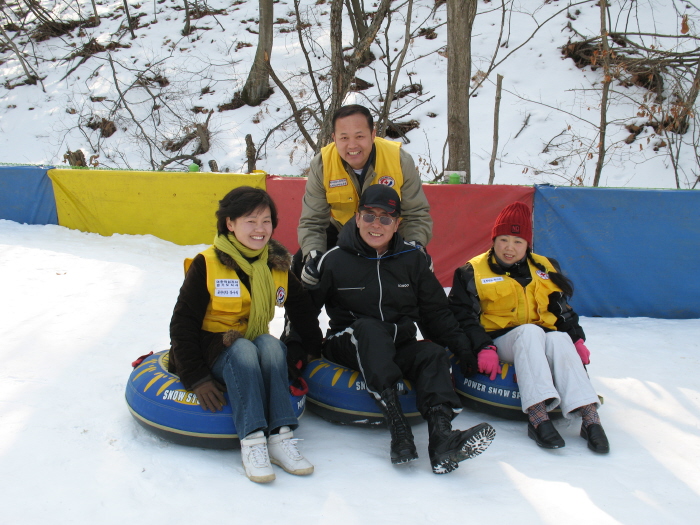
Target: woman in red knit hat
513	305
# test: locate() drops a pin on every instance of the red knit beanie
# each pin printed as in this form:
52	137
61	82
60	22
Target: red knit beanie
515	219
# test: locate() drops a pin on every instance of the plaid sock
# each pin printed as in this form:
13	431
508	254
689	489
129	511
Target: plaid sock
589	413
537	414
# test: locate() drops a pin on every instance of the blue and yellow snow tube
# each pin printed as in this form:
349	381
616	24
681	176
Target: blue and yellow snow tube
339	395
500	397
158	401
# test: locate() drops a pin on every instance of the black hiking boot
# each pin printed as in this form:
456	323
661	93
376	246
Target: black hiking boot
403	449
448	447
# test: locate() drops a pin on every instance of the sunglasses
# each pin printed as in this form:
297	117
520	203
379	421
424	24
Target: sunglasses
384	220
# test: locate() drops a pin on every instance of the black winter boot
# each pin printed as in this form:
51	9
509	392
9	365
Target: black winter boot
402	448
448	447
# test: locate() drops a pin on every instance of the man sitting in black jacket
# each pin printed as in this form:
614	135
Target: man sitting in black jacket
375	287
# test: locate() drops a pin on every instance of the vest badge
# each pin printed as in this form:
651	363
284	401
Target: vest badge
227	288
386	180
281	295
338	182
489	280
542	275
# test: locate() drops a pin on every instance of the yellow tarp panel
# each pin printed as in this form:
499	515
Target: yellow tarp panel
177	207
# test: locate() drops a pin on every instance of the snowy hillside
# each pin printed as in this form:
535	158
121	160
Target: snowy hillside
167	84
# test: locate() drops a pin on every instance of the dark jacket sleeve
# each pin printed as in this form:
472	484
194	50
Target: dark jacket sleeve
187	339
435	315
567	319
321	293
464	304
303	315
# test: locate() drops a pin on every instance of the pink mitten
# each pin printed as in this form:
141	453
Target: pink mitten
488	362
583	352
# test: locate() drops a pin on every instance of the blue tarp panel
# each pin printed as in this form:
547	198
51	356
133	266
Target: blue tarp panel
26	195
630	253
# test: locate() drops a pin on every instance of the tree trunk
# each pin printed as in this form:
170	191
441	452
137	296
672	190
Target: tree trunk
460	19
128	19
357	19
606	90
187	29
94	10
496	110
340	74
257	87
250	153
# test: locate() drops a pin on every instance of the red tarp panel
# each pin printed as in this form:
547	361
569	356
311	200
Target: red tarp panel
287	192
463	215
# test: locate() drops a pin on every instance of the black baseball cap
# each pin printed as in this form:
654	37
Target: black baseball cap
382	196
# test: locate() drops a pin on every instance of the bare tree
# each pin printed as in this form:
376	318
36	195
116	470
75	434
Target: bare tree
492	162
128	19
187	29
257	87
605	55
342	74
31	75
460	20
96	17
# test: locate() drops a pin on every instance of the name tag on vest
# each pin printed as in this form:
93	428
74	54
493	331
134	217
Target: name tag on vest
227	288
490	280
338	182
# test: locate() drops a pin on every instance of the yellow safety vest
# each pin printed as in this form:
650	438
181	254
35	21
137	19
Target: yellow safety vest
229	303
504	301
341	193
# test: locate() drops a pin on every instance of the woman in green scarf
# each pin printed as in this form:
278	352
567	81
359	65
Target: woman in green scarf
219	331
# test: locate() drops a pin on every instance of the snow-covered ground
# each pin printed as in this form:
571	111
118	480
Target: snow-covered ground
77	308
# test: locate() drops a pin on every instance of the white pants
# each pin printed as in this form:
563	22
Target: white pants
547	367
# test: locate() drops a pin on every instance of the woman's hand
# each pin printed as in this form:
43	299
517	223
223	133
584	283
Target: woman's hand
583	352
209	396
488	362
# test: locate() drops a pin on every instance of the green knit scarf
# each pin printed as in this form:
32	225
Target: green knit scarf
262	286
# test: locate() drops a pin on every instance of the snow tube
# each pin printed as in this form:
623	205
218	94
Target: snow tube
339	395
159	402
500	397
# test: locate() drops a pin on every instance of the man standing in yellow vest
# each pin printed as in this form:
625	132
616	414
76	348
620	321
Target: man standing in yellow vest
354	161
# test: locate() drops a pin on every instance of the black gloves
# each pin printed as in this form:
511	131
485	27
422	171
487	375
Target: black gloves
296	361
310	275
467	362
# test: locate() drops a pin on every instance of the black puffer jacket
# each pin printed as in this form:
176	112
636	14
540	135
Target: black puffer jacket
397	288
194	351
464	303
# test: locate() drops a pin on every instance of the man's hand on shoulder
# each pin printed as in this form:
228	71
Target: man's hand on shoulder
310	274
422	249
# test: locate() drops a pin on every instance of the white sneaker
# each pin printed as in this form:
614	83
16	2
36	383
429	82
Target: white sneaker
284	453
255	458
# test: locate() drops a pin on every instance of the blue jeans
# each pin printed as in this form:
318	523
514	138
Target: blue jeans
255	375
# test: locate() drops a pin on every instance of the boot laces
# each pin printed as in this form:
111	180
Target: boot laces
442	422
400	429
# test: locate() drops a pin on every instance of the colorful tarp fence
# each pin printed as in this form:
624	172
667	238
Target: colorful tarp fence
630	253
26	195
624	249
175	206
